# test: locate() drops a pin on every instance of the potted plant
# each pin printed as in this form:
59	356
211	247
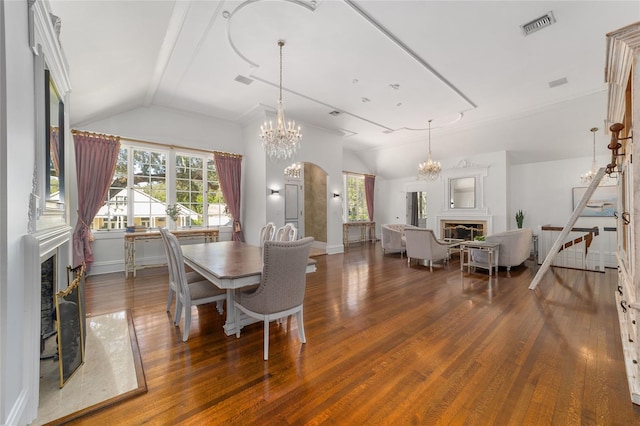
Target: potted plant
519	218
173	211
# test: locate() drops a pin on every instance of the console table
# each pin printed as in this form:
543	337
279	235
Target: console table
367	231
492	249
208	235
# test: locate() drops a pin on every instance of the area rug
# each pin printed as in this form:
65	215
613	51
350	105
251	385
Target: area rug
112	372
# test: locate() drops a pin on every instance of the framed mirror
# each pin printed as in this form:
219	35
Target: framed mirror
54	145
462	193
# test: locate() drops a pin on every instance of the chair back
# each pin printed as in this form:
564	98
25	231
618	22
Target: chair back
179	273
423	244
167	250
286	233
267	232
283	275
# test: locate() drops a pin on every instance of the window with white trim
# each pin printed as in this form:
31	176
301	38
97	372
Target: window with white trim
356	199
141	190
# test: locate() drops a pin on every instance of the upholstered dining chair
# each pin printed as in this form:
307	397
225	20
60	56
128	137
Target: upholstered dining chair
267	232
287	232
190	294
281	289
191	276
423	244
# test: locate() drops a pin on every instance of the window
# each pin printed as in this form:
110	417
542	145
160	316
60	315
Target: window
356	201
141	190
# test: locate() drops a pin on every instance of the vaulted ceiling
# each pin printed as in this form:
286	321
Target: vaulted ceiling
375	71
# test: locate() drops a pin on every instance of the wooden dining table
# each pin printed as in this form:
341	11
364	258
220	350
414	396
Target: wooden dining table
230	265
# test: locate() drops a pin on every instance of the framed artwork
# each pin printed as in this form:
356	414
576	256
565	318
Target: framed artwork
602	204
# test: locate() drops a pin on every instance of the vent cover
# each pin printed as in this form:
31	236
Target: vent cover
538	24
244	80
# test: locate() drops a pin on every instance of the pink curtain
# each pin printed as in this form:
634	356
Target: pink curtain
96	157
229	169
369	184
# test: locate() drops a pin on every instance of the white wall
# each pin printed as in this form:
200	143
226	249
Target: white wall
391	194
324	149
17	138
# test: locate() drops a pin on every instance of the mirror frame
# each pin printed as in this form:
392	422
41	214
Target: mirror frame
465	169
53	119
44	32
452	193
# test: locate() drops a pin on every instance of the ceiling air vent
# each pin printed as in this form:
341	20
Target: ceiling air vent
538	24
244	80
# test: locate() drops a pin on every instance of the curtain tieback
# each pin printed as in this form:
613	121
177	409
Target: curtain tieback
236	226
86	229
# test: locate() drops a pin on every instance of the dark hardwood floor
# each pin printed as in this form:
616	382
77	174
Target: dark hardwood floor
386	344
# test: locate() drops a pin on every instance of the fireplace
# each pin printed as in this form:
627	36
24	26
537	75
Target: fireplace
47	252
464	227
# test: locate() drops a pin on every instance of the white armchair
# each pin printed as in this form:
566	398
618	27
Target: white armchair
423	244
393	237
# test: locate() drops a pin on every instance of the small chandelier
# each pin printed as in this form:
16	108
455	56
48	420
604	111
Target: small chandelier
429	170
283	141
586	178
293	171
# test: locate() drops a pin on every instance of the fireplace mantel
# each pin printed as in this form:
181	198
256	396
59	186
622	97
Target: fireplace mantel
38	247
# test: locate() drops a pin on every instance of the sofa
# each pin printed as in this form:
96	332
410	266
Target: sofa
515	247
393	237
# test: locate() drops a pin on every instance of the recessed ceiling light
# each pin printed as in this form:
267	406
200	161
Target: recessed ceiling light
334	113
226	14
395	86
354	81
399	104
365	100
244	80
386	132
558	82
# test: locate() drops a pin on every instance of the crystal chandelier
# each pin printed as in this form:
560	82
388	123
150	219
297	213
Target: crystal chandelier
429	170
293	171
283	141
586	178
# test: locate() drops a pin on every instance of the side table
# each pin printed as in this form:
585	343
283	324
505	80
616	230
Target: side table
493	253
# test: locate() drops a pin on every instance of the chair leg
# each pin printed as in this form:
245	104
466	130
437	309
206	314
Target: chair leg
300	321
237	320
187	323
266	338
169	299
431	266
178	313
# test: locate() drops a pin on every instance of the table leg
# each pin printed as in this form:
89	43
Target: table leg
490	261
230	323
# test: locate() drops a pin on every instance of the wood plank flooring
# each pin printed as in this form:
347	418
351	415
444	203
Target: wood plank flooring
386	344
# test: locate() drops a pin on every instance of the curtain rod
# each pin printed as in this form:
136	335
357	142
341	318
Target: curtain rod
122	138
93	134
356	173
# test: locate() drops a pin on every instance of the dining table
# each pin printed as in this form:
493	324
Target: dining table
230	265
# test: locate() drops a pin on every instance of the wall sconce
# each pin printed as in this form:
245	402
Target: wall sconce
336	195
275	192
614	146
